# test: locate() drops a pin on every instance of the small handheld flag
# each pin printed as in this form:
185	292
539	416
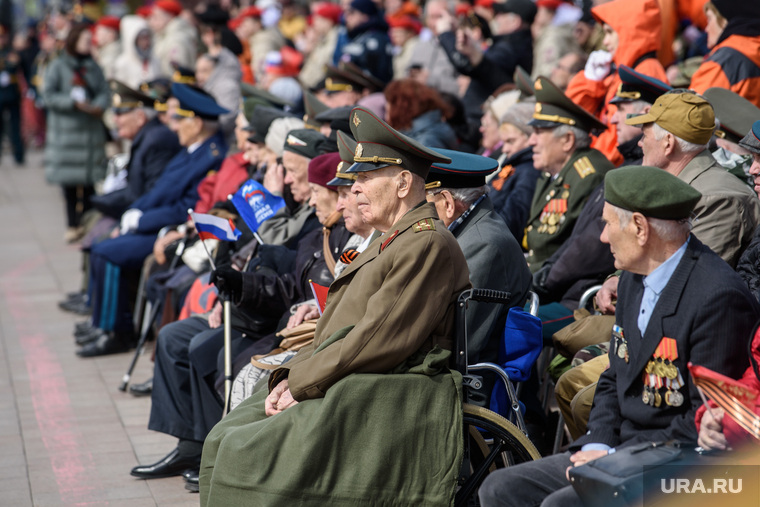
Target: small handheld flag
255	204
211	227
320	294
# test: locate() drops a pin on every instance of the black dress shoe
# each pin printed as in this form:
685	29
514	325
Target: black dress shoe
82	327
170	465
192	481
106	343
78	307
143	389
190	472
91	336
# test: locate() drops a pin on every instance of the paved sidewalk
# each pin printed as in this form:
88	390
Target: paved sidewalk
68	436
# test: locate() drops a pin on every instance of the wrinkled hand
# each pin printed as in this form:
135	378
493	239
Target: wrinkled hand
583	457
303	312
274	179
130	220
160	245
606	298
215	317
711	435
598	65
228	280
279	399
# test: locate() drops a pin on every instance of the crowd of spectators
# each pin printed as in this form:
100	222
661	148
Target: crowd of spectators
176	105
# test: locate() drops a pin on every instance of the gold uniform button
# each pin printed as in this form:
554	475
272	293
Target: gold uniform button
530	228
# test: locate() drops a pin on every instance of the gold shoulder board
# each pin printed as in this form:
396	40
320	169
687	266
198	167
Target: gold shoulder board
584	167
426	224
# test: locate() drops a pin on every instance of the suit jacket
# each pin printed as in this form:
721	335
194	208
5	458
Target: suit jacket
398	298
152	149
710	313
495	261
727	213
177	188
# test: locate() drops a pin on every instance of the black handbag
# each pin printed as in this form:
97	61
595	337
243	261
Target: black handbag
618	479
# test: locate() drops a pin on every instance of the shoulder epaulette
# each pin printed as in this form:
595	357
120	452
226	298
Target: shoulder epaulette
426	224
584	167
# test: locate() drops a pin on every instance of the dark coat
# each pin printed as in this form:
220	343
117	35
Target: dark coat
177	188
370	48
710	313
152	149
497	67
748	266
513	200
495	261
430	130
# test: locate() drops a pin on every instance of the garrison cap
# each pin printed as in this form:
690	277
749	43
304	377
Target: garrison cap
682	113
265	98
751	141
260	120
524	83
464	171
346	149
306	142
651	191
159	90
124	98
553	109
183	75
313	106
735	113
195	102
380	145
638	86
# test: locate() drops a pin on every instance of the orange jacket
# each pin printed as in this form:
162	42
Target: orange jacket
638	25
733	64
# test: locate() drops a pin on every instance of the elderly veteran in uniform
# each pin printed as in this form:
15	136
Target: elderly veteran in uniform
494	257
323	433
166	203
571	170
748	266
672	310
735	116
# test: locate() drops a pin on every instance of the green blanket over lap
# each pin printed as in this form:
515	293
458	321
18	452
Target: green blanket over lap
375	439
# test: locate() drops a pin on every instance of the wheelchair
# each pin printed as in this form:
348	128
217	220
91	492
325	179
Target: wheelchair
491	441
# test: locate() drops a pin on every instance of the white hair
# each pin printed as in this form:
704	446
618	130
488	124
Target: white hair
664	229
467	196
582	138
683	145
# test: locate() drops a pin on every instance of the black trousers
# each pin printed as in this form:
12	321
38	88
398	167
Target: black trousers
77	199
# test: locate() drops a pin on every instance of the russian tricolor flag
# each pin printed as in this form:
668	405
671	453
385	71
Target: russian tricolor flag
211	227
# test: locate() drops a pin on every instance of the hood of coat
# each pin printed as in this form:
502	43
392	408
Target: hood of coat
638	25
130	27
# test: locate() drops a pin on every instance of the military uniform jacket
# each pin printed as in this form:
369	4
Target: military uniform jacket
558	202
709	312
727	213
399	297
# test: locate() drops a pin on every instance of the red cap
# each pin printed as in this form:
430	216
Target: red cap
290	64
488	4
328	10
322	169
173	7
234	23
249	12
143	11
407	22
111	22
462	10
549	4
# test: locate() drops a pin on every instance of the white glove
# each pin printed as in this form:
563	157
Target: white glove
130	220
598	65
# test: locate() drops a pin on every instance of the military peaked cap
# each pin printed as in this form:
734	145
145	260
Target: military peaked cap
346	149
638	86
735	113
124	98
159	90
651	191
261	118
464	171
553	109
195	102
312	106
266	98
380	145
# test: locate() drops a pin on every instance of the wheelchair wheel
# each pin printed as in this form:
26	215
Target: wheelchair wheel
492	442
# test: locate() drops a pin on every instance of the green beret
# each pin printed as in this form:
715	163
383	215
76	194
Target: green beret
651	191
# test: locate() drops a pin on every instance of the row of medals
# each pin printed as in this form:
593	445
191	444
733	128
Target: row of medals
550	222
659	373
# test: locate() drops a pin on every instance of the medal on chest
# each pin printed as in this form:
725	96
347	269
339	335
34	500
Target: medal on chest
660	372
619	343
553	214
